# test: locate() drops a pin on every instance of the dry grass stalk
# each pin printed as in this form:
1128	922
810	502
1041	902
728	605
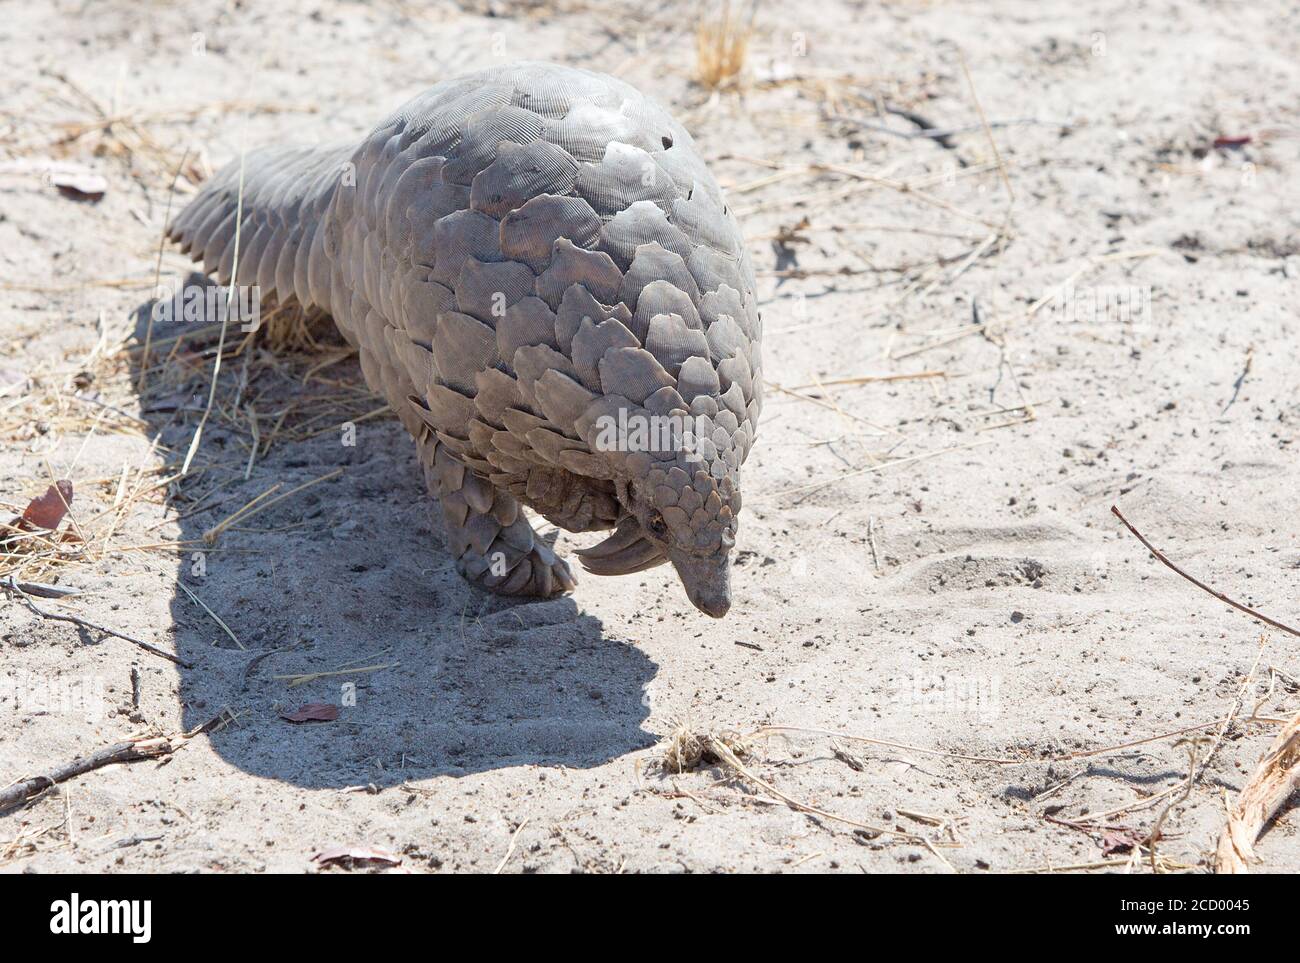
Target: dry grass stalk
686	748
230	293
253	508
1275	778
721	46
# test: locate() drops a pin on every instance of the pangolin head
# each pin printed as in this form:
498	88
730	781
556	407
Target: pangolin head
677	480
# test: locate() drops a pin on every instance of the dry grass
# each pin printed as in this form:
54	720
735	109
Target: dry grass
685	748
271	391
721	46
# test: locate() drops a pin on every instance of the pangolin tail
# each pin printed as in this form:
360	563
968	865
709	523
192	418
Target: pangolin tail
265	230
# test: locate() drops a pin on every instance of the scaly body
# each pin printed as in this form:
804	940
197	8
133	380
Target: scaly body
525	257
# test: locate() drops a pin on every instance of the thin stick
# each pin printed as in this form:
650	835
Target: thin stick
1102	864
1156	831
133	750
256	440
991	760
871	379
510	850
247	512
988	132
729	757
874	468
225	320
9	584
937	855
1236	710
121	752
830	407
215	617
157	273
302	678
1160	557
46	591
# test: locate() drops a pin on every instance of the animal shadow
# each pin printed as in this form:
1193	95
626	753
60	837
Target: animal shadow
338	597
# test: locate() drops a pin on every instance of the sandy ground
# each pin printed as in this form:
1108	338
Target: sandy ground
973	600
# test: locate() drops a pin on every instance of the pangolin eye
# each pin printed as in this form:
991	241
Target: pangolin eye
656	524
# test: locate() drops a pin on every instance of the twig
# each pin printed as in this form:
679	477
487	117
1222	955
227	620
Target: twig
303	678
1236	710
133	750
830	407
10	585
988	132
938	855
1201	585
871	543
813	486
44	591
871	379
991	760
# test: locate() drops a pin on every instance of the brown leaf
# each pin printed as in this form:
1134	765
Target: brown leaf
46	511
312	712
80	185
356	853
1120	840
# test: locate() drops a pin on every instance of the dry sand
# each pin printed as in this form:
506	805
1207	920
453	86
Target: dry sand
975	597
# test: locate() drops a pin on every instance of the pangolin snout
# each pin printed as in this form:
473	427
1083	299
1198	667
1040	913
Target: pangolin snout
707	580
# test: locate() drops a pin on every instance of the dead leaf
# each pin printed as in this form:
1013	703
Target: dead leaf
312	712
80	185
1120	840
47	511
356	854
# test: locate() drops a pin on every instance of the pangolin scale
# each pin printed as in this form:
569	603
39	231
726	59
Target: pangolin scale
533	263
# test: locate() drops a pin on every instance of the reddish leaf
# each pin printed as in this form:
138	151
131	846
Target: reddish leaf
46	511
1120	840
312	712
356	854
80	185
1232	141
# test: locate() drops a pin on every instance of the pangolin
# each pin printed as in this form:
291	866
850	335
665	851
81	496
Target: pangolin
544	281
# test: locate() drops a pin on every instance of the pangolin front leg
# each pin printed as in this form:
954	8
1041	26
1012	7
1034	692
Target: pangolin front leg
488	534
